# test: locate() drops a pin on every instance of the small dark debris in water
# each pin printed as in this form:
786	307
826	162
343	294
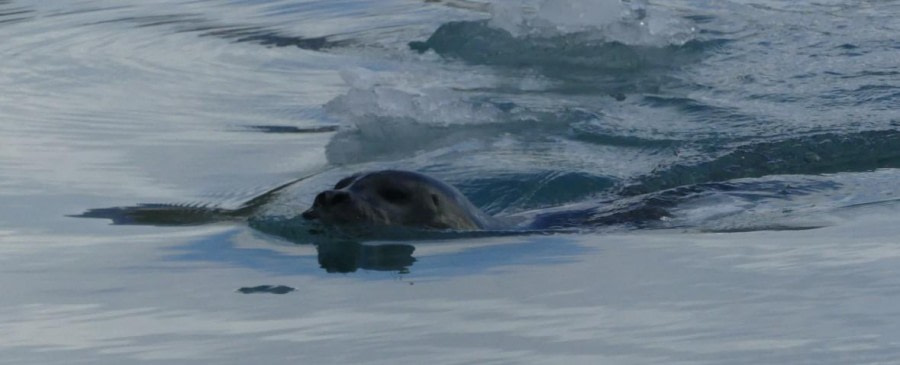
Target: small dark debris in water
618	96
505	107
266	289
761	228
292	129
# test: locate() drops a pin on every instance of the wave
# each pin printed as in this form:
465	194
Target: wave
634	22
558	37
477	42
11	15
192	23
521	191
826	153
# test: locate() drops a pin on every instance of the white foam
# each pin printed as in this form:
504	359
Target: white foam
630	22
411	97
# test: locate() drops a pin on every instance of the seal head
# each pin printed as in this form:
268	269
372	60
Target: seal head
396	198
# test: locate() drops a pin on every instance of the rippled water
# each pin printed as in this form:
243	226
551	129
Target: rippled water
726	174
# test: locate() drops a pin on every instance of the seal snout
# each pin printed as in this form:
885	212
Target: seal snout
309	214
325	202
331	198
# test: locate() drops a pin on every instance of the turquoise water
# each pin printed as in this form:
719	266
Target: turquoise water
727	174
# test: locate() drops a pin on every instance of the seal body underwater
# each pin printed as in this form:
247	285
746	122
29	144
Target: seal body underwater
397	198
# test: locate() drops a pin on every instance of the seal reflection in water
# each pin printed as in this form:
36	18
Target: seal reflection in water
396	198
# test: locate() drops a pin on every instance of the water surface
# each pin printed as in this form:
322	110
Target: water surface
766	131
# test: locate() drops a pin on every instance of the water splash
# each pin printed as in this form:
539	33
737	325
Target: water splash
402	98
627	22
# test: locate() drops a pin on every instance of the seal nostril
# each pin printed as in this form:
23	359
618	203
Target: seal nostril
320	200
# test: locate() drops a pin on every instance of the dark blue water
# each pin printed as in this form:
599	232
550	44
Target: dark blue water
726	174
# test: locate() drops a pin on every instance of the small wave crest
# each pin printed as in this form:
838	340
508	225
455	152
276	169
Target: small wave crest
523	191
370	98
827	153
624	21
612	36
395	114
476	42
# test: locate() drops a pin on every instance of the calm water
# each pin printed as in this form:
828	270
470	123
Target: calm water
729	169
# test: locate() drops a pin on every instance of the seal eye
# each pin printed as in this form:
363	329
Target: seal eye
394	195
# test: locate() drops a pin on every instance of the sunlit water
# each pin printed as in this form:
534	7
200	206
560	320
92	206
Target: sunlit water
727	174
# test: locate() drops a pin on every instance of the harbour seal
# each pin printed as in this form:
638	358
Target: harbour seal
396	198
